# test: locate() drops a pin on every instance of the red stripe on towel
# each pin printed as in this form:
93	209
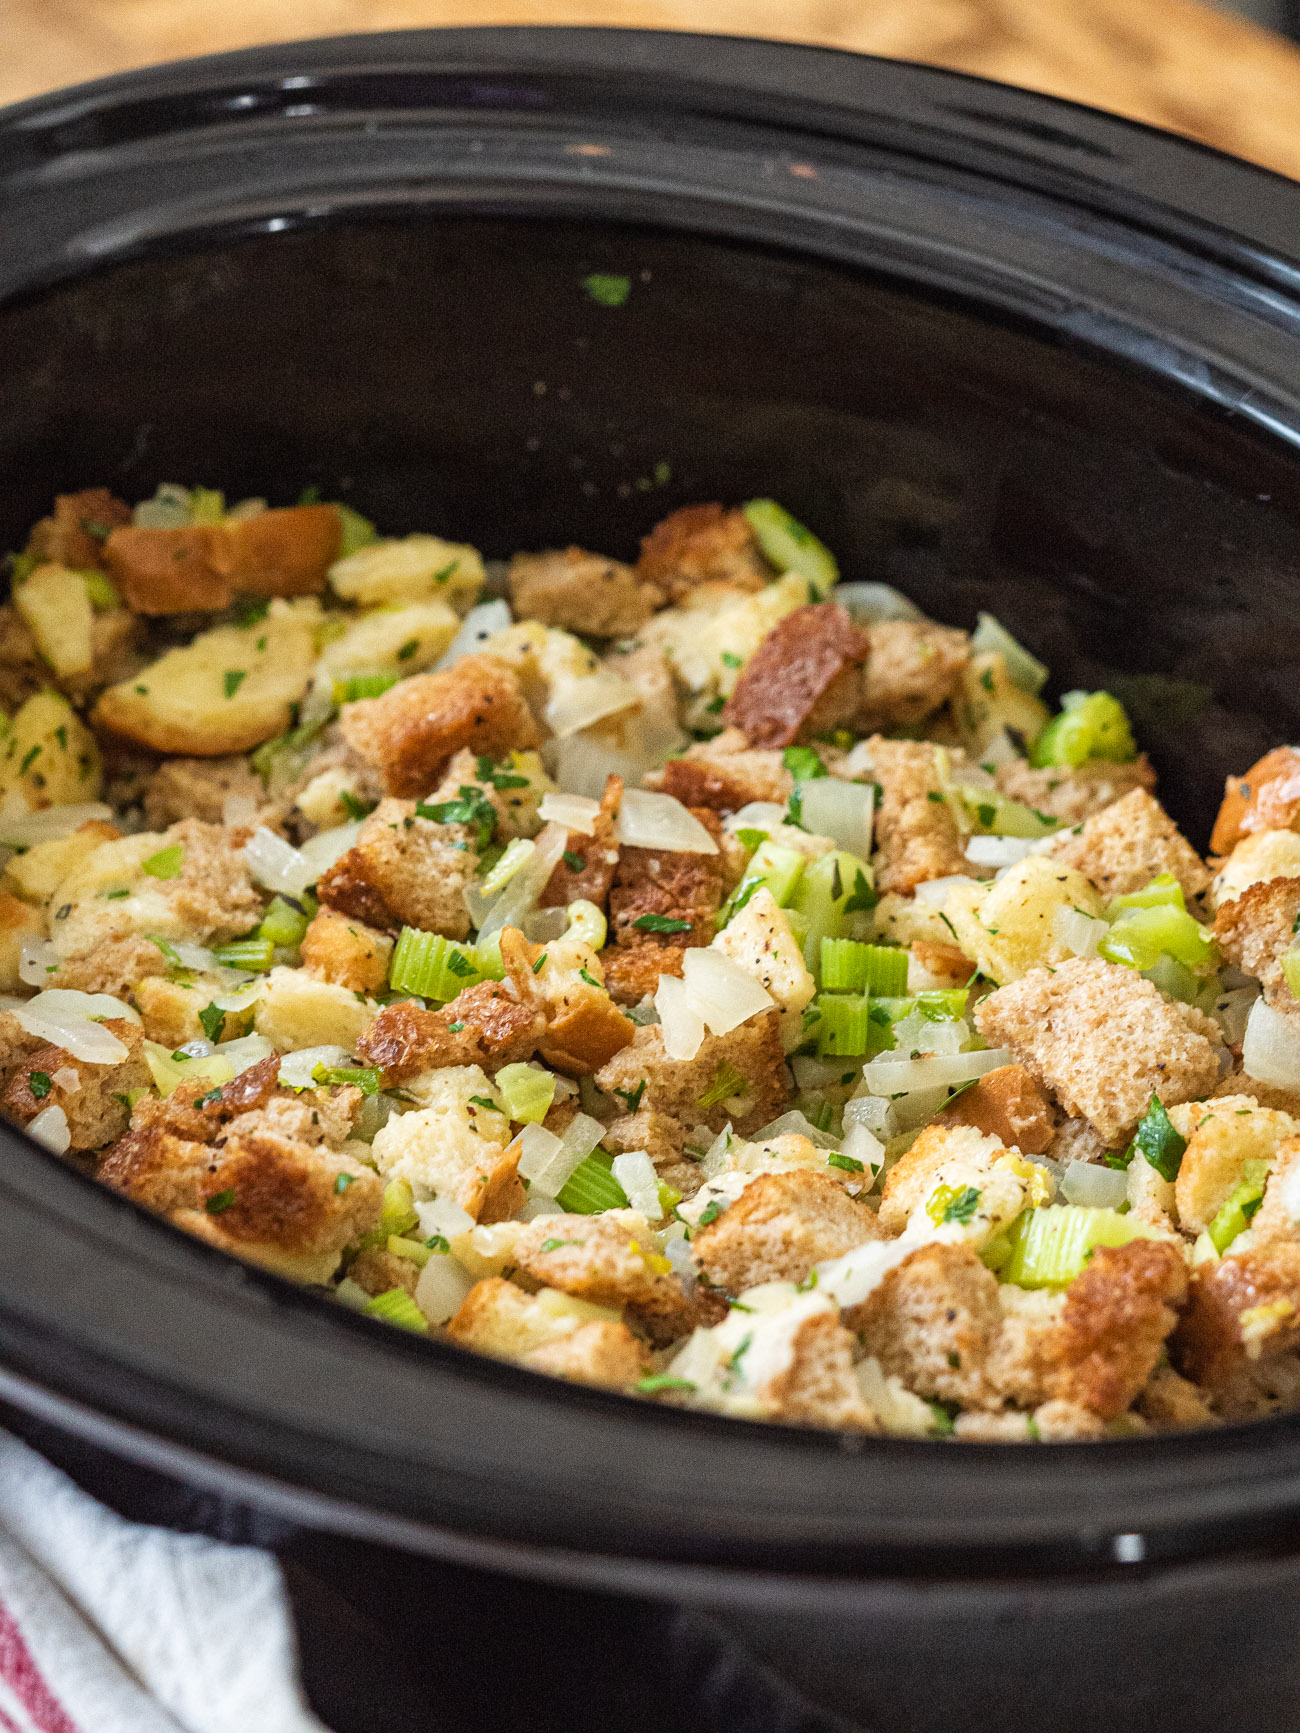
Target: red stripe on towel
20	1671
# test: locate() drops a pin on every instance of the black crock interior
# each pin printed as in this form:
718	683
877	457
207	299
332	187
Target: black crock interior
980	341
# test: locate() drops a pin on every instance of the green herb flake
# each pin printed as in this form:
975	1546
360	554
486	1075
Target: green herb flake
168	863
408	649
537	966
471	807
574	862
115	896
711	1212
438	1243
632	1097
220	1201
652	1384
252	610
607	290
212	1020
29	758
1157	1140
729	659
354	806
804	763
484	1102
589	978
39	1084
661	924
233	679
342	1182
849	1165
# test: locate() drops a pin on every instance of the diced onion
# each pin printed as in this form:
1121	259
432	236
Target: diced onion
441	1216
1232	1011
1080	934
574	811
1270	1050
238	810
327	846
63	1017
50	1127
678	1252
1094	1186
756	815
1023	670
52	824
635	1172
900	1076
841	810
442	1287
659	821
872	604
719	991
997	851
547	1161
248	1050
296	1068
869	1110
517	852
543	925
934	892
538	1148
480	624
795	1124
864	1146
38	961
277	864
577	704
526	886
682	1024
812	1073
241	996
68	1080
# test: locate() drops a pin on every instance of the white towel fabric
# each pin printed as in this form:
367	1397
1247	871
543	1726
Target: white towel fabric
107	1626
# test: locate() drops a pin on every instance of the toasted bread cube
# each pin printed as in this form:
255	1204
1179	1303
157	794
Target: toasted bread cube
605	1354
1009	928
910	672
675	1086
1008	1104
1256	930
1222	1136
584	592
55	605
1130	843
804	679
611	1260
1103	1041
393	641
95	1104
74	536
987	704
48	757
412	569
760	940
414	729
199	788
169	1009
932	1320
1257	858
1267	797
456	1146
404	870
778	1228
550	1331
725	774
701	544
346	952
485	1025
1073	795
278	553
36	875
916	835
296	1010
940	1152
18	923
1241	1327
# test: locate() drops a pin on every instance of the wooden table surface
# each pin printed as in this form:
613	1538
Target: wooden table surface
1174	63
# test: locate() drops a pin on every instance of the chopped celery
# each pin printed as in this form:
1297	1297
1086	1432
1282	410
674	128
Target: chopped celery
844	1027
358	531
1050	1246
1140	936
997	816
1291	972
836	885
255	954
354	686
363	1077
591	1188
790	547
1239	1208
397	1215
804	763
168	863
102	592
169	1072
1090	725
1164	888
527	1092
883	1014
943	1004
414	1251
506	865
777	869
286	923
668	1198
1023	670
397	1307
1158	1142
432	967
849	966
207	505
1176	979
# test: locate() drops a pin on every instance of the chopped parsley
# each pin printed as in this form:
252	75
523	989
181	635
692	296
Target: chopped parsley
835	1159
438	1243
589	978
483	1101
862	898
39	1084
212	1020
471	807
657	1381
354	806
252	610
537	966
731	1365
1157	1140
632	1097
711	1211
219	1201
486	771
553	1245
211	1098
661	924
804	763
342	1182
574	862
29	758
113	896
166	864
408	649
729	659
727	1081
233	679
961	1207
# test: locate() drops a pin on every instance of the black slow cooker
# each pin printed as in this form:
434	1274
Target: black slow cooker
1000	351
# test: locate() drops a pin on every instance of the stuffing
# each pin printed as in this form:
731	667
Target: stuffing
710	637
804	679
378	1271
753	1052
1256	930
1128	844
959	1156
189	882
1237	1338
910	671
49	756
1172	1403
19	922
611	1260
404	870
282	552
901	920
311	1116
342	950
941	966
662	884
701	544
199	788
1103	1041
1076	1140
1113	1326
549	1331
1071	796
94	1098
16	1045
588	593
414	729
586	869
916	835
484	1025
156	1167
778	1228
931	1321
661	1137
296	1010
1267	797
1278	1216
36	875
784	1357
760	940
633	974
584	1028
724	773
1006	1103
726	1175
1150	1196
988	707
455	1146
1010	927
514	788
1263	855
1222	1136
75	534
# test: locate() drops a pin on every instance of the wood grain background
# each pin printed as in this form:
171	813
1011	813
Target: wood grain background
1174	63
